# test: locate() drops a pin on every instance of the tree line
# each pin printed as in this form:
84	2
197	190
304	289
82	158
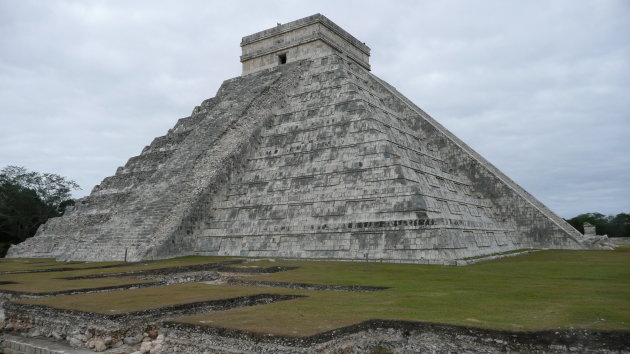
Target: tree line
611	225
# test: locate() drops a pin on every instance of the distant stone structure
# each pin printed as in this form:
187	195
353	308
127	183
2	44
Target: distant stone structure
307	154
589	229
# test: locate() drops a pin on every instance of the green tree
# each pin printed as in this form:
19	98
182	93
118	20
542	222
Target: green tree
596	219
613	226
52	189
27	200
619	226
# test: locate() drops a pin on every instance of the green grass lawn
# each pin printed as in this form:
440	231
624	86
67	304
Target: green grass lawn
34	264
542	290
150	265
49	281
122	301
28	264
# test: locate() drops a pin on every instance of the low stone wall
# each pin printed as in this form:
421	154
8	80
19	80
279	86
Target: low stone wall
32	340
14	294
143	332
84	328
395	337
20	345
161	271
253	270
304	286
619	240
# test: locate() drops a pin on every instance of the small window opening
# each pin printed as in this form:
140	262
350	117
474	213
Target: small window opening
282	58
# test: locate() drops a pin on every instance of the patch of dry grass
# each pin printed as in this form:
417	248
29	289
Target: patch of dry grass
542	290
46	282
31	264
122	301
49	281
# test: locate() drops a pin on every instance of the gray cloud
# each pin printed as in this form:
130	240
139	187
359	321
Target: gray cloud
539	88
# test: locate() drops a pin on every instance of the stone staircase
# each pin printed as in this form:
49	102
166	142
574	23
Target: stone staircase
125	241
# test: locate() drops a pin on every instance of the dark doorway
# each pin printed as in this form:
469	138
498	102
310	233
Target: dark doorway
282	58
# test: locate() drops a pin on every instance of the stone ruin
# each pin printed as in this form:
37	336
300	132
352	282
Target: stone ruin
307	154
589	229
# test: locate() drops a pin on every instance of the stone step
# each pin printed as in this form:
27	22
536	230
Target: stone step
19	345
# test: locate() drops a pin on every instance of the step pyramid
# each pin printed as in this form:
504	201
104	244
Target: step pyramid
309	155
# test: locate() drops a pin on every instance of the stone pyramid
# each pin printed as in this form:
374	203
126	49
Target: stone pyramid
309	155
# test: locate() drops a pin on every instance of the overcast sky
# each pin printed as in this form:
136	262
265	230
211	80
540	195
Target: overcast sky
539	88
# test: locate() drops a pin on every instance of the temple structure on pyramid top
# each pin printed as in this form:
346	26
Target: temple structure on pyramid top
305	155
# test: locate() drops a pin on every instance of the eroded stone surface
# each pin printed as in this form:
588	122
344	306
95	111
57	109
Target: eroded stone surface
394	337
